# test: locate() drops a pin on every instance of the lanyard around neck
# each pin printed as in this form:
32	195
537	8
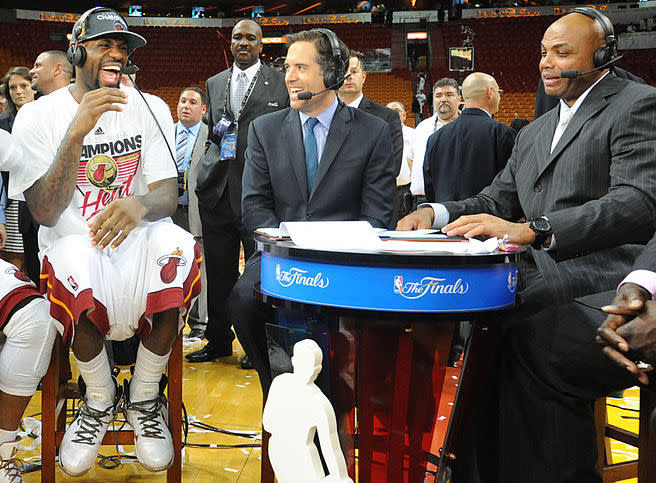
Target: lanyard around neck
246	95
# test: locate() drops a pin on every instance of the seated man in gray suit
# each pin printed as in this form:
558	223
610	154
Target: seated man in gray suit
584	177
317	160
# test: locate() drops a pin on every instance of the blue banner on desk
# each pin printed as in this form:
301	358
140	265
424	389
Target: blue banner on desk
468	288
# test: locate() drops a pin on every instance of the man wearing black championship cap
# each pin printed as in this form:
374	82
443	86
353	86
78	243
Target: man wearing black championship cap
100	179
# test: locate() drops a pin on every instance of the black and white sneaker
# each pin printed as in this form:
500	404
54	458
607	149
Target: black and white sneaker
81	443
152	437
10	466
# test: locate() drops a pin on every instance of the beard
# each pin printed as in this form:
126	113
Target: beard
444	109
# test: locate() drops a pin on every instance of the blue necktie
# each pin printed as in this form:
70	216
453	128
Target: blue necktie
311	157
180	151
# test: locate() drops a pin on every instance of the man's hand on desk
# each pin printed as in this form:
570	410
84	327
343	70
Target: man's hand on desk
417	220
485	225
630	329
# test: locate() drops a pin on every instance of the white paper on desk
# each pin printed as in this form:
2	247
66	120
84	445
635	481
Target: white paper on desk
472	246
425	233
328	235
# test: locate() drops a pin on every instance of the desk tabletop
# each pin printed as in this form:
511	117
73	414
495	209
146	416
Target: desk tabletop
287	248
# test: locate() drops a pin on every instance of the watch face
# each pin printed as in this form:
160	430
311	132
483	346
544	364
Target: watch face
541	224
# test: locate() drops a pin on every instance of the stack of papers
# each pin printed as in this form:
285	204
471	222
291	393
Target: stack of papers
360	235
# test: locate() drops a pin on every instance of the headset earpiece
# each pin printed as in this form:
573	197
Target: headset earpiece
76	55
333	78
607	52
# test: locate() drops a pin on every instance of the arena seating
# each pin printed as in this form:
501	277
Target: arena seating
506	48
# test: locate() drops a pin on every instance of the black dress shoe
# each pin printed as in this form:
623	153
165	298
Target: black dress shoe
209	353
246	363
196	334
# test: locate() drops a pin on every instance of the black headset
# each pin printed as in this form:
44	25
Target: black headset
334	78
607	53
76	53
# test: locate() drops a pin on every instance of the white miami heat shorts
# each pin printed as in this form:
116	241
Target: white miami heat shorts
156	268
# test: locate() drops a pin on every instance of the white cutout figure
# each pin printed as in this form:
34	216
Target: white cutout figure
295	410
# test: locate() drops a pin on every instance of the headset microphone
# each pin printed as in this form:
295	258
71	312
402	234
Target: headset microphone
573	73
130	68
307	95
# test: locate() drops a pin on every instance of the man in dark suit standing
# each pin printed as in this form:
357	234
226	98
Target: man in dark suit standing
351	94
464	156
190	137
583	176
236	97
317	160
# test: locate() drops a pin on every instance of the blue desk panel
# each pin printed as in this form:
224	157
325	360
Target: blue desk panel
467	288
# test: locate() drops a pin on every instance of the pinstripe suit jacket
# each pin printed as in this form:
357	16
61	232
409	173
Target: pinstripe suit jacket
597	187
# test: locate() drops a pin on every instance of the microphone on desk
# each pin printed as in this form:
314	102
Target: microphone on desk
573	73
307	95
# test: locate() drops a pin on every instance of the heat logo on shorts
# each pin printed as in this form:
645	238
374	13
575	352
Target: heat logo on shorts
169	264
18	274
102	171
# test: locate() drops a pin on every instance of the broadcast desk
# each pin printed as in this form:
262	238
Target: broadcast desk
385	322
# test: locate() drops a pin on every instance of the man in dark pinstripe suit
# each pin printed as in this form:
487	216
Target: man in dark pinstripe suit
584	176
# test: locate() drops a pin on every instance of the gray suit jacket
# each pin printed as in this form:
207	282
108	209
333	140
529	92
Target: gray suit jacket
195	163
269	95
597	188
355	179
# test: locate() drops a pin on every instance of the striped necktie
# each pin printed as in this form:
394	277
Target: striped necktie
180	151
181	148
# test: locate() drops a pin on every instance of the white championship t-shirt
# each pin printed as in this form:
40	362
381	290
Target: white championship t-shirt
121	155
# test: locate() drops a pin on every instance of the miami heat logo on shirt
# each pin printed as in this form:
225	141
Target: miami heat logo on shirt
18	274
107	169
102	171
169	264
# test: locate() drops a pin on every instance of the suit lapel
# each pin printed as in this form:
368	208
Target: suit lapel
259	90
293	139
198	145
223	86
543	146
336	136
593	103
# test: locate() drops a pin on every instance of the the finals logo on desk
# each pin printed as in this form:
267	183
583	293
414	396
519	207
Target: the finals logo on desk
298	276
429	285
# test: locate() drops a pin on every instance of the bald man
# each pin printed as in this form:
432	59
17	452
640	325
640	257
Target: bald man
464	156
51	71
583	176
236	97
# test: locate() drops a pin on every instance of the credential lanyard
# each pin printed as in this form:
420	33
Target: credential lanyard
246	95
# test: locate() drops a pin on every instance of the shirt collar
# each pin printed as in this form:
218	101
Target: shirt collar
564	108
250	71
356	102
193	129
325	118
481	109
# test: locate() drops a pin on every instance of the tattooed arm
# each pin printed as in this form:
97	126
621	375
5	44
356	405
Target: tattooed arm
51	194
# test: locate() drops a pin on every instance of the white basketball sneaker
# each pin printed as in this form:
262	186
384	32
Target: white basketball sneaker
152	438
81	443
10	467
